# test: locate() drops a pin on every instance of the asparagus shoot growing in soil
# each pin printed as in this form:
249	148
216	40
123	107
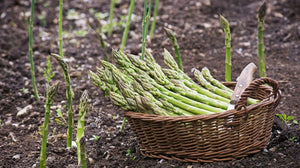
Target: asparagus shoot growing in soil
170	34
154	18
83	162
50	93
35	91
99	33
125	33
260	38
83	107
111	16
60	29
226	28
145	24
69	95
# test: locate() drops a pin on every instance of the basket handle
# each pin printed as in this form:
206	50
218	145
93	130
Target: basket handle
253	88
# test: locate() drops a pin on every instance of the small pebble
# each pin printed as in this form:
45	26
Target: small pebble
16	157
273	149
24	111
91	160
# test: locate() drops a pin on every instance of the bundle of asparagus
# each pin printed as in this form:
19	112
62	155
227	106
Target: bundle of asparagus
143	86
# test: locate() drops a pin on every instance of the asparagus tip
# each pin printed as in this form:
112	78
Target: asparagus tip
262	12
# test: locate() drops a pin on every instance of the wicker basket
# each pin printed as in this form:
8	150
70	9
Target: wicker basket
206	138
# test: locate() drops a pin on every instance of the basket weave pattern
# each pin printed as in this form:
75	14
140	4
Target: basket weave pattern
206	138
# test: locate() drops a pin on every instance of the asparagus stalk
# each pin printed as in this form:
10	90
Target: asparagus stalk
192	85
30	32
160	78
118	77
209	86
119	100
206	73
111	16
149	105
170	34
154	18
224	93
60	29
125	33
99	83
226	28
170	62
51	91
83	108
69	95
83	163
161	103
260	37
150	85
146	18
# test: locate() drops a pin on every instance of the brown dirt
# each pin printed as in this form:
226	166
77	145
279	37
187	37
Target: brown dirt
202	44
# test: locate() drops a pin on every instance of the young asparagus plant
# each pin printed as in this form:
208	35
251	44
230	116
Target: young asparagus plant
80	141
60	39
111	16
124	38
260	38
35	91
69	96
51	91
226	28
98	30
154	18
145	24
170	34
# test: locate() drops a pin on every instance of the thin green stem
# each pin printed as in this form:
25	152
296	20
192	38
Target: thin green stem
83	163
69	95
154	18
35	91
145	25
126	30
83	107
60	29
123	124
170	34
260	38
111	16
51	91
226	28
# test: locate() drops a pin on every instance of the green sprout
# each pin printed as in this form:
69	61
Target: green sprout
80	140
226	28
286	119
154	18
35	91
25	90
111	16
60	29
69	95
170	34
95	138
48	74
60	115
51	91
260	38
293	139
99	33
145	24
130	155
125	34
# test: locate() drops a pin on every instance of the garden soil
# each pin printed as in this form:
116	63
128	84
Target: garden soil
201	42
